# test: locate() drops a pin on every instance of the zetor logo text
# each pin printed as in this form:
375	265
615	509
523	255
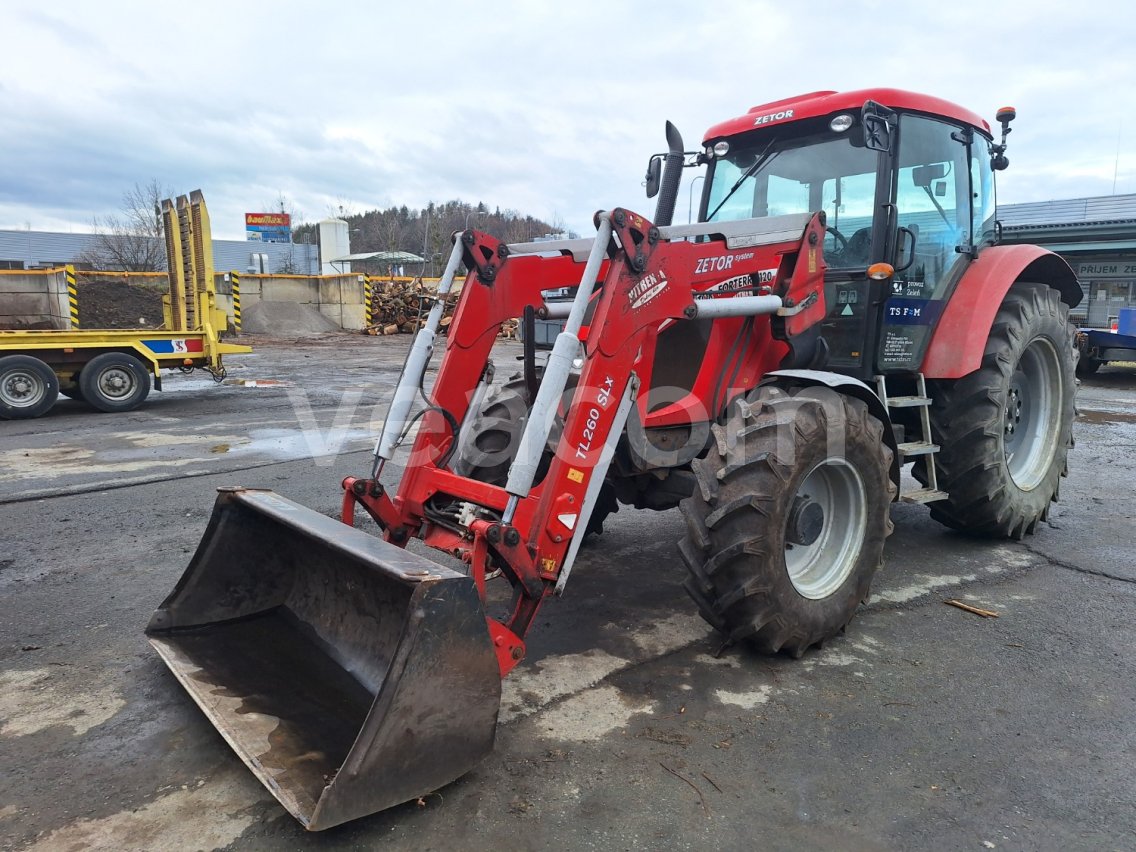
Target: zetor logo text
773	116
648	288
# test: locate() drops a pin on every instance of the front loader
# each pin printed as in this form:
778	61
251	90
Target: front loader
841	309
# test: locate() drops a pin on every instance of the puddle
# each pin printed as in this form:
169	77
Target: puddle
259	383
179	384
1091	415
302	443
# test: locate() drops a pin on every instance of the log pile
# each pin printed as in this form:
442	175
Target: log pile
401	307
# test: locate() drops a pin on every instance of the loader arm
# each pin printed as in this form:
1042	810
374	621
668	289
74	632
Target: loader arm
649	280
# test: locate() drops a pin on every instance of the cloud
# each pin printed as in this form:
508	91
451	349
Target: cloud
524	106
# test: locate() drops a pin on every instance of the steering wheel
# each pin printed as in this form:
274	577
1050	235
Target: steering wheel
842	242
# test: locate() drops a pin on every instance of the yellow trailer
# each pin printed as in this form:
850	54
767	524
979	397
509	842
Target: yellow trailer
112	370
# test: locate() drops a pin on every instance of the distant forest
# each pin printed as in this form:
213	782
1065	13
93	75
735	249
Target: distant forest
426	232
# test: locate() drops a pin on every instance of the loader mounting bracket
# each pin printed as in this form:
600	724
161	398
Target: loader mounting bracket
637	236
370	494
483	255
508	646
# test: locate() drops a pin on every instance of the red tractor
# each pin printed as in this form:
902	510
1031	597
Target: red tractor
841	308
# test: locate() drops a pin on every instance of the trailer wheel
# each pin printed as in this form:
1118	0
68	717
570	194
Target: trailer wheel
28	387
494	436
786	528
1087	365
1005	429
114	381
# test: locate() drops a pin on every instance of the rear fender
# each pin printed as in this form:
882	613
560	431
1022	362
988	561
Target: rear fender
843	385
960	338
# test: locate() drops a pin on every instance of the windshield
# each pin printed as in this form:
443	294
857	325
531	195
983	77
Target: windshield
802	175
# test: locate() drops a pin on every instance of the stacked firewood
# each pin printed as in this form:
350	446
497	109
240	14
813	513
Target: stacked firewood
401	307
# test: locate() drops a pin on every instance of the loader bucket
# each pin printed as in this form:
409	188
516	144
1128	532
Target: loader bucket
349	674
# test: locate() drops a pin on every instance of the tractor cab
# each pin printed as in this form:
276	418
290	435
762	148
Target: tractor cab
903	179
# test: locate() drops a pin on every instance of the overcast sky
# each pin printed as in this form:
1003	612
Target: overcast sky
547	108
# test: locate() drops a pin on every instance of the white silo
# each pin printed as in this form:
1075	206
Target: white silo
334	242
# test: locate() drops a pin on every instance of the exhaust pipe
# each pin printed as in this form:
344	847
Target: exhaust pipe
672	176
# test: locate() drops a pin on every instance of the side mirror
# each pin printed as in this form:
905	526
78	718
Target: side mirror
654	177
904	249
878	122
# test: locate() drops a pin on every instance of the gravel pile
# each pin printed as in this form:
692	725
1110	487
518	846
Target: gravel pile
285	318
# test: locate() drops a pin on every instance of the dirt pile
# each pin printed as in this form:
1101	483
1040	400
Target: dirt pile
108	303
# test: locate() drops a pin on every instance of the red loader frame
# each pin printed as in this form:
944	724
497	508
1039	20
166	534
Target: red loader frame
650	278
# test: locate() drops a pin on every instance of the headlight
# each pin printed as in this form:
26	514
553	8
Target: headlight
841	122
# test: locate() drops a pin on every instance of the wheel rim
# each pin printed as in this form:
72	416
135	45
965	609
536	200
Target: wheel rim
22	389
117	383
819	567
1031	421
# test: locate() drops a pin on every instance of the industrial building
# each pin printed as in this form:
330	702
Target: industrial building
41	249
1098	238
1096	235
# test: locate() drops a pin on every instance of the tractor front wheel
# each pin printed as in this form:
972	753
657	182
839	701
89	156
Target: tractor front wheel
490	445
1005	429
786	528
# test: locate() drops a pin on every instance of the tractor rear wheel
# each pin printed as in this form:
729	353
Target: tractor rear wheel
491	443
786	528
1005	429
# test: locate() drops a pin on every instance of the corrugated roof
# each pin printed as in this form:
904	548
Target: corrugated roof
1098	210
382	257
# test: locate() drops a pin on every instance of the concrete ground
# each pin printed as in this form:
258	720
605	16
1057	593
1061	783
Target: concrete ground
924	727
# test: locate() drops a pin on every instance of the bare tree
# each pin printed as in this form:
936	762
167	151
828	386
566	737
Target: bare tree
131	241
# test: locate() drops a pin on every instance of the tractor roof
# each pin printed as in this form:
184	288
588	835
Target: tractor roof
824	103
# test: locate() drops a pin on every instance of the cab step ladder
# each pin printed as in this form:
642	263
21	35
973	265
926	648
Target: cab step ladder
922	447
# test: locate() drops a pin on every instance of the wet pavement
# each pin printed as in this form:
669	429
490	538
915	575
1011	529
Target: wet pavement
924	727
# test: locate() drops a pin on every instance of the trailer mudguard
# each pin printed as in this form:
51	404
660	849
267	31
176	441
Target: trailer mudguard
960	338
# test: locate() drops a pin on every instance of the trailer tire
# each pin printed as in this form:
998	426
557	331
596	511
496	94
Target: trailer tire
28	387
1087	365
786	527
114	382
1005	429
494	436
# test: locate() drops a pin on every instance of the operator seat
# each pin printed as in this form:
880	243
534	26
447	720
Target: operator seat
857	252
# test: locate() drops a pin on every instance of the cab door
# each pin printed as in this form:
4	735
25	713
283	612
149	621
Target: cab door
933	198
